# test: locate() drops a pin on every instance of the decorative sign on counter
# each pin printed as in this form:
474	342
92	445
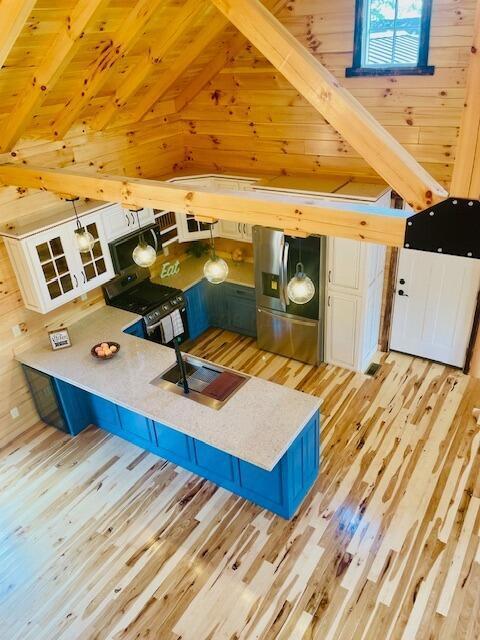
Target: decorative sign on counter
59	339
170	269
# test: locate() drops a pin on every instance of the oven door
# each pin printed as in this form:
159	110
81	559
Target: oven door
154	332
121	250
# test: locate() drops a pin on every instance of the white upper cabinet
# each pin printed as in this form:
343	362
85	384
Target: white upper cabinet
344	260
51	270
120	222
189	229
96	264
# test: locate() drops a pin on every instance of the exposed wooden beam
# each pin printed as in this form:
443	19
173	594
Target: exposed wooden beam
208	34
300	215
337	105
136	77
57	58
13	15
231	49
132	28
466	170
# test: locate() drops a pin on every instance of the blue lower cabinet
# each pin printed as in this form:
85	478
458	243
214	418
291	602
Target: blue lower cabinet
171	444
104	413
197	309
216	465
263	485
137	329
74	404
241	313
137	428
280	490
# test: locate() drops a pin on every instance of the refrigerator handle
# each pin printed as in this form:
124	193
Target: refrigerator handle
285	271
281	276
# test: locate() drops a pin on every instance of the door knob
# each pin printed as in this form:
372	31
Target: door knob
401	292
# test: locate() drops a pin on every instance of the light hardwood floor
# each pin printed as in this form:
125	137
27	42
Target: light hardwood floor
101	540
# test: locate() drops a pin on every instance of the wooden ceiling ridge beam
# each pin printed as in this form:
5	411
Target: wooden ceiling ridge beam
57	58
13	15
111	52
231	49
215	26
337	105
297	214
135	78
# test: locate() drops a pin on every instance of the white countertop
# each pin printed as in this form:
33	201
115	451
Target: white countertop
257	424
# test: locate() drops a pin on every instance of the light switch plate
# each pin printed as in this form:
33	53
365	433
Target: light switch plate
14	412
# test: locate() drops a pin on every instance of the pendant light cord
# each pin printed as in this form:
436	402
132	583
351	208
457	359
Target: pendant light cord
79	226
212	244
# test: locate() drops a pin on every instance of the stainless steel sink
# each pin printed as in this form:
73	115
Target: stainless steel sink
200	374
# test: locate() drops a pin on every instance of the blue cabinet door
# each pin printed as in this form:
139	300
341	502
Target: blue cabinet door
138	429
214	464
216	304
104	413
239	304
242	314
197	310
171	444
75	405
137	329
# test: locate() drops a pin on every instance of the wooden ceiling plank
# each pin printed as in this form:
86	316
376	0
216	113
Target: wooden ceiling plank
132	28
295	213
466	170
207	35
134	80
337	105
57	58
223	59
13	15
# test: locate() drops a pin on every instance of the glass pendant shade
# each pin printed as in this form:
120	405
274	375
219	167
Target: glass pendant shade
84	240
300	289
215	270
144	255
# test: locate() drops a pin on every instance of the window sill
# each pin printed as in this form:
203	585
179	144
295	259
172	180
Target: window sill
356	72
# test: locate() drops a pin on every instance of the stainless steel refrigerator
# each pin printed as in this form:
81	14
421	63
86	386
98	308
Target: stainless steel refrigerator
292	330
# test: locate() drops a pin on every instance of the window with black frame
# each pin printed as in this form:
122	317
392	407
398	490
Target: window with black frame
391	38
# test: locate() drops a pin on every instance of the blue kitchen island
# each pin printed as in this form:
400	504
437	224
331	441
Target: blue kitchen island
263	444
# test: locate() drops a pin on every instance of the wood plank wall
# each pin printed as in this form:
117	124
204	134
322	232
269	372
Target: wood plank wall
150	149
250	118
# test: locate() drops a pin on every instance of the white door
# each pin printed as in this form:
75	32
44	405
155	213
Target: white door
434	306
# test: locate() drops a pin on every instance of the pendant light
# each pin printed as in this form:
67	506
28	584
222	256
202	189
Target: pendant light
215	269
300	288
83	237
144	255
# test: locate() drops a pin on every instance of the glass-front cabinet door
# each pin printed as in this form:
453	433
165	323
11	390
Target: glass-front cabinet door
61	272
54	262
96	264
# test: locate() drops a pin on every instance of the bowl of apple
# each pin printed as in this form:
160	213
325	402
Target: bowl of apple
105	350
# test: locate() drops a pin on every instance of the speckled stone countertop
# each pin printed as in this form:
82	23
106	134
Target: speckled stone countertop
191	272
257	424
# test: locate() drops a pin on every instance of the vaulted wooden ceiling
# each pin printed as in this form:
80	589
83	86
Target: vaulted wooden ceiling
104	62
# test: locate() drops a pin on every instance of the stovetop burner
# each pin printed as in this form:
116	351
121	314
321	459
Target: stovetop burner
141	295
